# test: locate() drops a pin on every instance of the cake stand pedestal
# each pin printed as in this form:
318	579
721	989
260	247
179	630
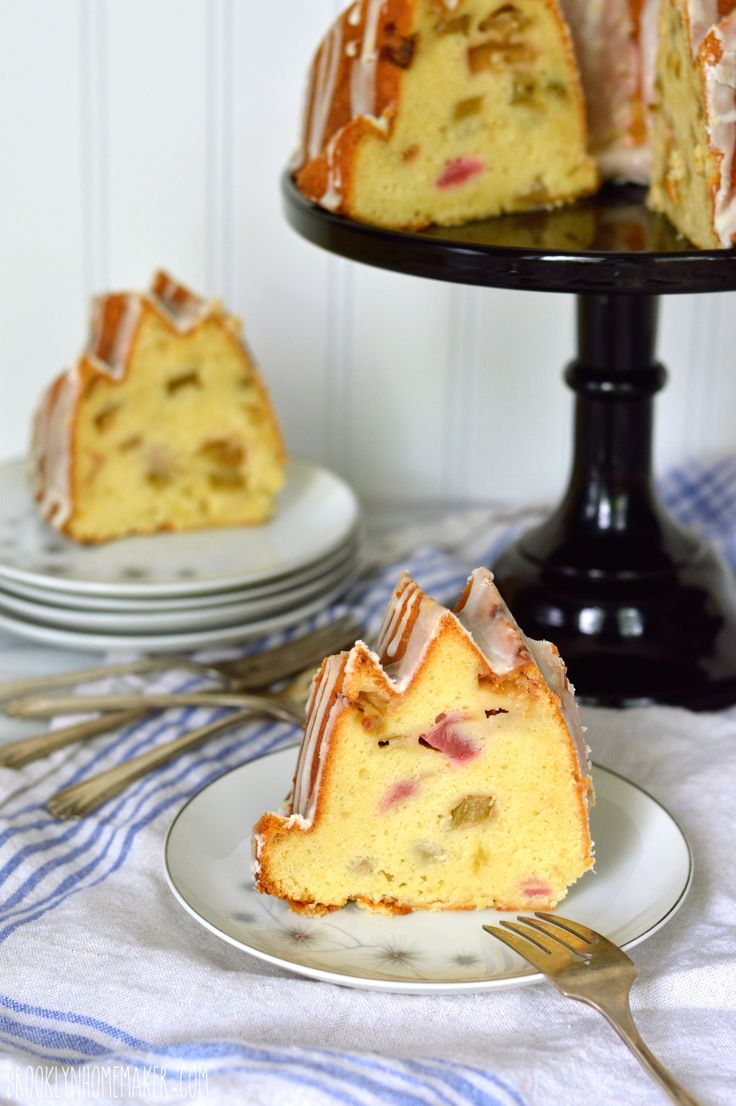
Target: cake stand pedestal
642	609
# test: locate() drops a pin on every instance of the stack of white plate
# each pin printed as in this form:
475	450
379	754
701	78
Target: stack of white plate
173	592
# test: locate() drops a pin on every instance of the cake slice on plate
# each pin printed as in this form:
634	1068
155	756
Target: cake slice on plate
164	423
442	111
448	770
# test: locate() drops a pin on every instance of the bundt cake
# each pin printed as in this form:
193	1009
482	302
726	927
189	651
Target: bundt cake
441	111
446	771
694	127
163	423
445	111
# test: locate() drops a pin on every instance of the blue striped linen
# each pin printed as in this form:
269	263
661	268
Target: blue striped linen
65	884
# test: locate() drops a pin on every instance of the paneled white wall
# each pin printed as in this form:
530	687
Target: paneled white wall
139	133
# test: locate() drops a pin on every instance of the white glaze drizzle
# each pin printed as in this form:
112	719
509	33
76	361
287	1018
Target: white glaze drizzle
648	43
186	313
617	69
115	363
550	664
325	80
50	459
396	617
720	85
256	850
491	625
409	603
702	15
332	195
316	738
363	69
401	672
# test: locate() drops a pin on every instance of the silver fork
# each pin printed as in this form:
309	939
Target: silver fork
84	797
250	672
246	673
585	966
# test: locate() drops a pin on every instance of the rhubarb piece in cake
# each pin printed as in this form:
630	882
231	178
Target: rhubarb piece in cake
442	111
448	770
163	424
694	132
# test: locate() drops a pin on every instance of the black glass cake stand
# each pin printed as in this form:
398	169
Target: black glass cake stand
641	609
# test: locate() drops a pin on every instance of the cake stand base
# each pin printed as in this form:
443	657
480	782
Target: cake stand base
641	609
664	637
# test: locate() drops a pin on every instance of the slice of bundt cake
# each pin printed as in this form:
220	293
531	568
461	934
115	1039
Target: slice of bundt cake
442	111
615	46
163	423
694	130
448	771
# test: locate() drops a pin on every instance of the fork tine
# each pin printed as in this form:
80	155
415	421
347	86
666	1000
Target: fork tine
581	931
525	949
557	958
596	941
563	936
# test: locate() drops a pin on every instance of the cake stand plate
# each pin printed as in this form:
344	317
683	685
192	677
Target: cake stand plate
610	243
641	609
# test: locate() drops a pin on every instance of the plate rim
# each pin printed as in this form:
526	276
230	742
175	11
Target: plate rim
220	636
225	615
182	588
68	600
344	979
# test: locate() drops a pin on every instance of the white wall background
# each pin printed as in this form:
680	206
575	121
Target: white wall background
144	133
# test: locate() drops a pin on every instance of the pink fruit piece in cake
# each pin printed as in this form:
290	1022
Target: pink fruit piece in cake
397	792
536	889
458	170
446	737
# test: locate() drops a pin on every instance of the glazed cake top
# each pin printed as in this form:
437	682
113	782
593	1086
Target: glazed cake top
412	622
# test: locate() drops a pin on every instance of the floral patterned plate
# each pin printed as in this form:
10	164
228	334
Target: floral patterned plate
644	870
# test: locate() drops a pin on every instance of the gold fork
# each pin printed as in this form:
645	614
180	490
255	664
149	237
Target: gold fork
588	967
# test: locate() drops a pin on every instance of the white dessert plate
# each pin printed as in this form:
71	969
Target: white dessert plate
177	621
644	870
78	601
168	643
315	514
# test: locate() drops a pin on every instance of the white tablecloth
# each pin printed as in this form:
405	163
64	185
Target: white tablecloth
110	992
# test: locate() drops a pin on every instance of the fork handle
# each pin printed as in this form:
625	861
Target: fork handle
47	706
86	796
14	754
619	1016
10	688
